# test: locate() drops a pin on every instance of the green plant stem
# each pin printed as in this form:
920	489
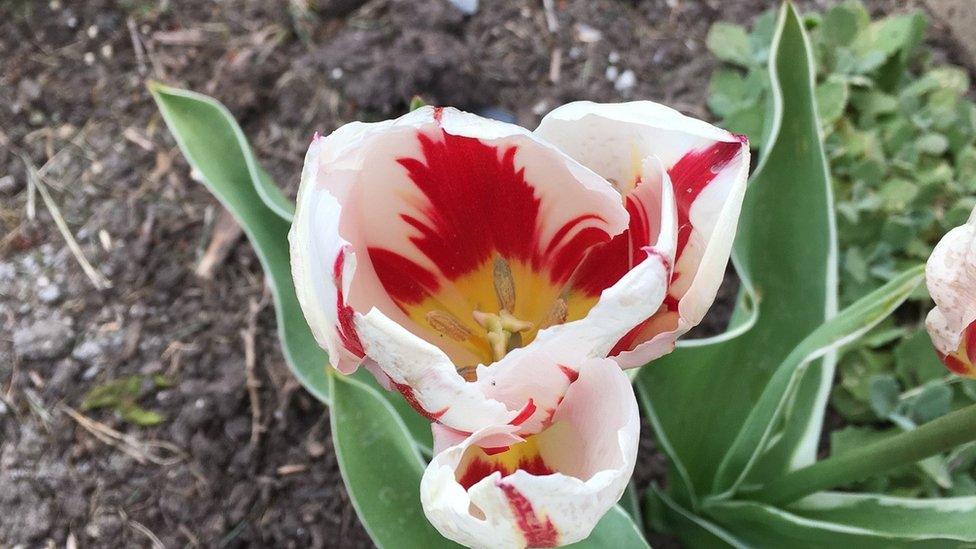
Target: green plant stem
934	437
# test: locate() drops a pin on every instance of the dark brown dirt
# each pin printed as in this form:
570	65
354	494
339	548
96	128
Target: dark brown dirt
72	99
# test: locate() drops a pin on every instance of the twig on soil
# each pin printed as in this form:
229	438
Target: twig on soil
31	198
37	406
291	469
250	361
141	528
226	233
137	44
190	537
141	451
550	10
555	64
34	177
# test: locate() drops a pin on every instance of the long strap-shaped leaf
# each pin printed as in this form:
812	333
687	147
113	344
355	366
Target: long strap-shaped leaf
696	531
768	414
868	524
214	145
381	466
700	397
945	518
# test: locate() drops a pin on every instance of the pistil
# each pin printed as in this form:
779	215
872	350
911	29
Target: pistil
504	331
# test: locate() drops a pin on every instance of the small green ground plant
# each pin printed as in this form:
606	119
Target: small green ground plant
900	140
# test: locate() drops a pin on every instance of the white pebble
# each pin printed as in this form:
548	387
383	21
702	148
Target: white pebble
626	81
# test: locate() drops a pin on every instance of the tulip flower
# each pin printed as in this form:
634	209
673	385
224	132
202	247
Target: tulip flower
466	262
950	275
494	488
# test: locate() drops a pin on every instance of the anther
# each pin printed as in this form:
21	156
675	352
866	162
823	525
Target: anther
557	314
504	284
448	324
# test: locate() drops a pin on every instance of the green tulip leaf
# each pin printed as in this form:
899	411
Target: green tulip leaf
850	520
770	411
381	466
786	242
214	146
616	529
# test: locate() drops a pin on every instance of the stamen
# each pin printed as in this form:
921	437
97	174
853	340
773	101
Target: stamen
511	324
449	325
469	373
504	284
503	331
499	344
557	314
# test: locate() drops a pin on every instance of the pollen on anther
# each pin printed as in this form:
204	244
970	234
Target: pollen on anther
447	324
504	284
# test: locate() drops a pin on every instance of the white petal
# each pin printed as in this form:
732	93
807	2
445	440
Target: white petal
950	275
427	377
612	139
592	448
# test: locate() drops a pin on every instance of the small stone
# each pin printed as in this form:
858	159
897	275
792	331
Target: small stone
87	352
49	294
44	339
587	34
467	7
626	81
64	374
9	185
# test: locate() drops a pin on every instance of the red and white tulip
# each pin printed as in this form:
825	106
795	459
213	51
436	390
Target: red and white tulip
950	275
466	262
499	278
495	488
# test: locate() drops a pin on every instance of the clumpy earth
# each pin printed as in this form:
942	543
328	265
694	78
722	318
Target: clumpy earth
217	450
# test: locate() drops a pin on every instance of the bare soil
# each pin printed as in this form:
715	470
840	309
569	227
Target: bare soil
73	103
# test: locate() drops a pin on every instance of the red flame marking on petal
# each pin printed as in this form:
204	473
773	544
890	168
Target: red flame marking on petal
608	263
570	373
404	280
538	532
495	450
689	177
411	399
954	365
525	414
346	325
478	204
479	468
